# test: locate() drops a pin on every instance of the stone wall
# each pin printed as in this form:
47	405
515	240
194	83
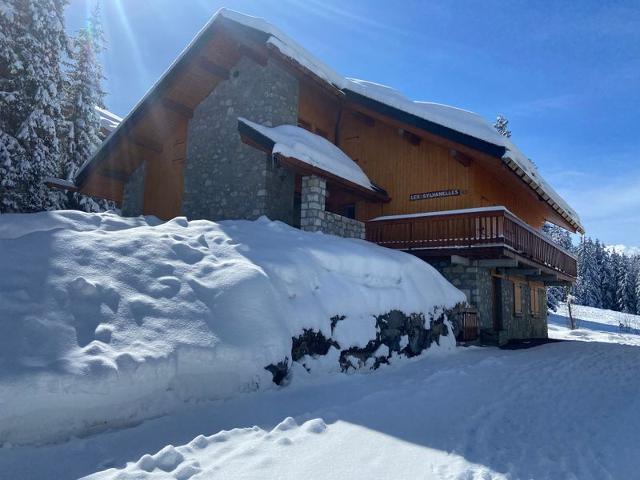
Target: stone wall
314	217
133	194
476	283
525	324
223	177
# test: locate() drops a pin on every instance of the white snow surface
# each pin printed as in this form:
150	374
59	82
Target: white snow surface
595	325
293	141
108	120
565	410
624	250
108	320
497	208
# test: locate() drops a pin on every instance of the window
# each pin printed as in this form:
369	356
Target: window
349	210
517	298
537	296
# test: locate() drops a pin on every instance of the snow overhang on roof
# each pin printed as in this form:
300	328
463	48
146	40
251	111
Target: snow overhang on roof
460	126
308	153
108	121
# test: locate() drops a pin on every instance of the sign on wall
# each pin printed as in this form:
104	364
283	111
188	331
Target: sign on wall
437	194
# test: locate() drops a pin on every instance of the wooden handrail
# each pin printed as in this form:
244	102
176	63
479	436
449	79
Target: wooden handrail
472	228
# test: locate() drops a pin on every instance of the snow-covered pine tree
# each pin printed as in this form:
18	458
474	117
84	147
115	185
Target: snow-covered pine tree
629	299
615	272
83	92
502	126
587	290
621	273
12	155
32	41
601	260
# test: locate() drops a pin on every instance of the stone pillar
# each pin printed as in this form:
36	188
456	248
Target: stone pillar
133	194
313	195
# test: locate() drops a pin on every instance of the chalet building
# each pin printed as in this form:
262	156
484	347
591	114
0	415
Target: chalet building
247	123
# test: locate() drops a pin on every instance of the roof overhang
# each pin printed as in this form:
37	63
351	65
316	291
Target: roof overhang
256	139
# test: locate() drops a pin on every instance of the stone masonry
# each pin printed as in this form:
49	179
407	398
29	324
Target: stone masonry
477	283
314	217
133	194
525	324
223	177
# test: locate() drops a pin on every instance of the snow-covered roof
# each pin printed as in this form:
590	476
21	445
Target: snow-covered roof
463	121
108	120
314	150
439	213
469	125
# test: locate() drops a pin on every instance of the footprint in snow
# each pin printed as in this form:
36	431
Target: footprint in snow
187	253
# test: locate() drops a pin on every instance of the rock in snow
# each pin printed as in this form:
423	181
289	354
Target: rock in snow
108	320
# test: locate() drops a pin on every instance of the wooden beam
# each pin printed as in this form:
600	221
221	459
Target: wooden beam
147	143
498	263
247	51
458	260
364	118
115	174
545	278
412	138
60	184
460	157
177	107
526	272
213	68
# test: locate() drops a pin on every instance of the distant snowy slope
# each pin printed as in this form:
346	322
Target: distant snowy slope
107	320
595	325
624	249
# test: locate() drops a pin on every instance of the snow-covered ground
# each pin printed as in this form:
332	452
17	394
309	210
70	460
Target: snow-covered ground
152	364
595	325
565	410
561	411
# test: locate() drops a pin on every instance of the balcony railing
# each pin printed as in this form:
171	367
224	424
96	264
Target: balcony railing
471	228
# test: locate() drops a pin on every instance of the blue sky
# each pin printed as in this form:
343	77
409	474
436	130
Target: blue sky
566	74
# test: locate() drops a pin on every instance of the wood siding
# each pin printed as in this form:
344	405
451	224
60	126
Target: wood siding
402	168
164	177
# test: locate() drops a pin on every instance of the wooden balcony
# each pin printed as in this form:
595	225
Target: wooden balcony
482	233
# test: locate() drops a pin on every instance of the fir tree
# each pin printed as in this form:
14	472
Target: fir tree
615	272
629	300
600	258
83	92
502	125
32	43
12	155
587	291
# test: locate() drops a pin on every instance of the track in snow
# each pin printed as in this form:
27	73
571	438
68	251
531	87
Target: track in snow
564	410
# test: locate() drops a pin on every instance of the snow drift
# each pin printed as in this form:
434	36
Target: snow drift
105	320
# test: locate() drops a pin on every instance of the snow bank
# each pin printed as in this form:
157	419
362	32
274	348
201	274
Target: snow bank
295	142
107	320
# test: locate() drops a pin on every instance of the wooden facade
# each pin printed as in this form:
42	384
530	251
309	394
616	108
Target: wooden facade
420	169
